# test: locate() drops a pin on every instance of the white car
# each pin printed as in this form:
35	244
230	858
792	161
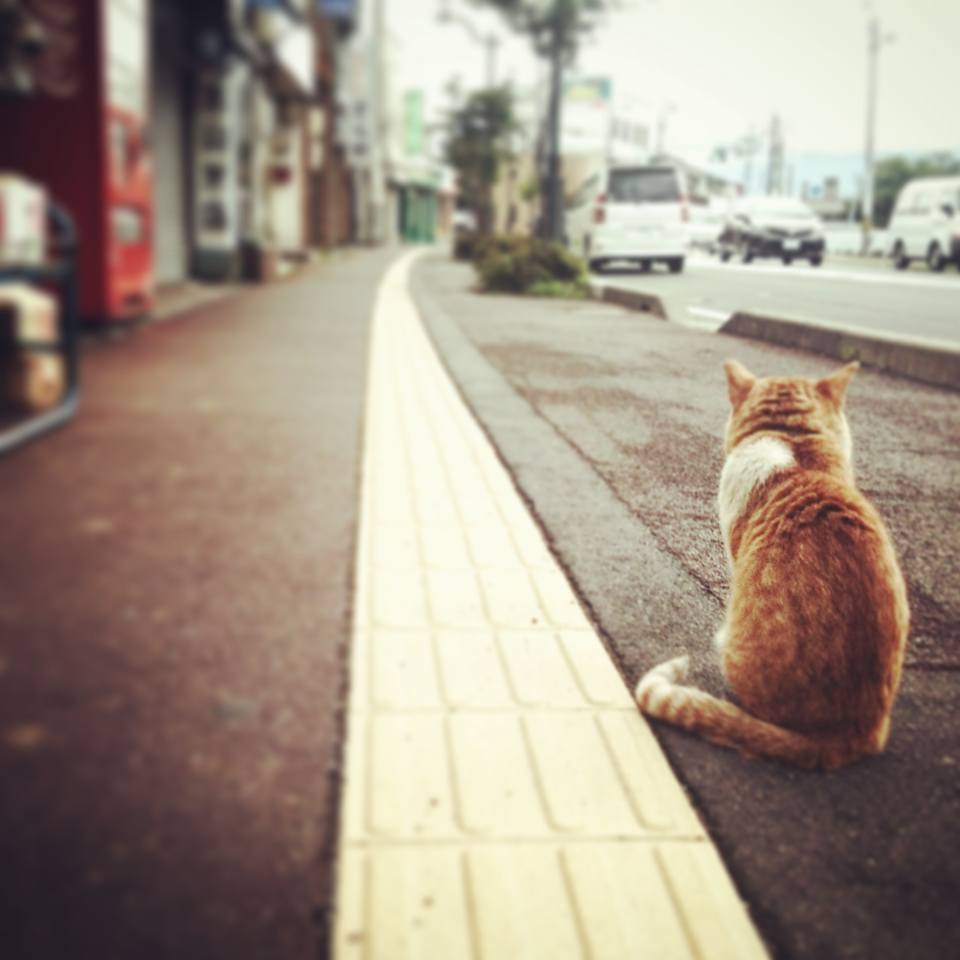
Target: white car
707	220
926	224
464	220
630	212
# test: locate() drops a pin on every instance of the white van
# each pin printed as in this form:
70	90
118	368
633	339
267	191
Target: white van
926	223
635	212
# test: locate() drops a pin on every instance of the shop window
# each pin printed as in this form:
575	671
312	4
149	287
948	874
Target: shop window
213	175
213	136
213	215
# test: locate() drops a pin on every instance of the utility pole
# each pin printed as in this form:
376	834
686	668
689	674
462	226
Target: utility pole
775	157
381	120
875	40
553	215
666	109
745	148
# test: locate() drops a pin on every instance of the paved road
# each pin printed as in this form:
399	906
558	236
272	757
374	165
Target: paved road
915	304
610	422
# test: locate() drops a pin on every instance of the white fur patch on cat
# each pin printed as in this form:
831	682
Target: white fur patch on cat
747	466
845	438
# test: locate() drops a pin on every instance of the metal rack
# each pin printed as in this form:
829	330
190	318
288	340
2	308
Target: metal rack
61	272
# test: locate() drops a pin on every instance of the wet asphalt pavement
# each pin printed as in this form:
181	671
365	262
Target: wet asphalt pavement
610	423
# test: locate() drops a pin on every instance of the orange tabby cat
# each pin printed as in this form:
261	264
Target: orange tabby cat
816	622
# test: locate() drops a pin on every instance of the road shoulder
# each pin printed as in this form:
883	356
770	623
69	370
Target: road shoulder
848	865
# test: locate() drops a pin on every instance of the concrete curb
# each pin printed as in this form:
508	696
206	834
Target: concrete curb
935	362
930	361
631	299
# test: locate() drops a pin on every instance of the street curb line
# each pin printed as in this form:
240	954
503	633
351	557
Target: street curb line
631	299
929	361
934	362
503	796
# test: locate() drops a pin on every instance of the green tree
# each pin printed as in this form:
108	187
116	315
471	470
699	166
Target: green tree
479	134
892	173
549	21
555	28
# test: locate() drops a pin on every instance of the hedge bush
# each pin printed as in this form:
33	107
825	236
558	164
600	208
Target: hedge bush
516	264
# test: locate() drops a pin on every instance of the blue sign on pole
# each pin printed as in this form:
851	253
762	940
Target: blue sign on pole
337	9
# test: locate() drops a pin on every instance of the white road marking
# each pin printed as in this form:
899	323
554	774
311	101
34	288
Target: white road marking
706	313
705	318
820	273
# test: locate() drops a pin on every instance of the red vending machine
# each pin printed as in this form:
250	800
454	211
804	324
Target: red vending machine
81	132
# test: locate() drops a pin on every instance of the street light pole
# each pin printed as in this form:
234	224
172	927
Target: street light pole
666	109
381	119
875	40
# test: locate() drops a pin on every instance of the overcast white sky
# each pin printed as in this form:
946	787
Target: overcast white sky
726	65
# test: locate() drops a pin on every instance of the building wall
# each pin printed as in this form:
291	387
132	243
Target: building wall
219	130
169	116
285	196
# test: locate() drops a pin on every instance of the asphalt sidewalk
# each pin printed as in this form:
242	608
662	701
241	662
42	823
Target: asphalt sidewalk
177	610
611	423
175	595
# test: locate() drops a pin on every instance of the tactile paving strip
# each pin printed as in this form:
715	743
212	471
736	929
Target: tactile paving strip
503	796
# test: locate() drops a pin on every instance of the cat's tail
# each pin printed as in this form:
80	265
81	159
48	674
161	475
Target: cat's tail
660	694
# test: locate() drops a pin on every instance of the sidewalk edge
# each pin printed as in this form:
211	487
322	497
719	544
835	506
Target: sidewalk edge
630	299
933	362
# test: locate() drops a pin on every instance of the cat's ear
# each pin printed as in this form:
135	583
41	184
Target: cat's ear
834	387
739	382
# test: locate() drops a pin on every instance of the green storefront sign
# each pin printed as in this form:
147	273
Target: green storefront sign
413	123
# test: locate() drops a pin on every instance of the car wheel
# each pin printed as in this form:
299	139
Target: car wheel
596	266
725	254
746	252
936	261
675	264
900	259
787	261
816	260
643	266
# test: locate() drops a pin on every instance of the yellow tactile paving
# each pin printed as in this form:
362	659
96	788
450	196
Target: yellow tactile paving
503	796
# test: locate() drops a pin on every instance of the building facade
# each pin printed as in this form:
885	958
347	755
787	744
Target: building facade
189	139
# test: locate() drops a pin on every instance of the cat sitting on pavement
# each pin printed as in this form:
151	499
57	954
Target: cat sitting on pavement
816	623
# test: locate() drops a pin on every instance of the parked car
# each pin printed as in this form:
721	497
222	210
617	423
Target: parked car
779	227
926	224
630	212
